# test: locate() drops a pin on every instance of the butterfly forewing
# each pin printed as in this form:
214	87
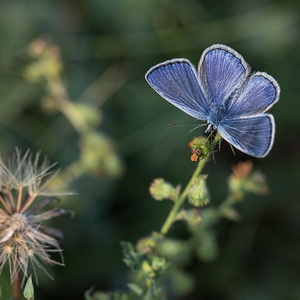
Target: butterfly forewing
222	71
177	82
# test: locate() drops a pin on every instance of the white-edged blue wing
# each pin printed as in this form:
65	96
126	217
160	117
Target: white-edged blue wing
176	81
251	135
259	93
225	94
222	71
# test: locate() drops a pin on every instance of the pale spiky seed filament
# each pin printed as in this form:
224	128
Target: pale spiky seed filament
8	196
19	198
6	206
29	201
22	238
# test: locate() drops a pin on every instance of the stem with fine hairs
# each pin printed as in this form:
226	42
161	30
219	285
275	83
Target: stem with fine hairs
180	200
16	288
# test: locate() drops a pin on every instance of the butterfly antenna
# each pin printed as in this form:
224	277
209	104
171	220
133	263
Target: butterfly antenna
197	126
177	125
194	125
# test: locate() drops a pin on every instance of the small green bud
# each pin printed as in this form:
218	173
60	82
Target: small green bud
98	155
154	266
245	180
159	264
160	189
200	148
91	116
174	250
146	245
192	216
147	269
47	63
198	194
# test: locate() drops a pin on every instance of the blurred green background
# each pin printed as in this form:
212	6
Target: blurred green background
105	48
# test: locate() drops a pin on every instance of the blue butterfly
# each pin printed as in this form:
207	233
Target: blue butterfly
225	93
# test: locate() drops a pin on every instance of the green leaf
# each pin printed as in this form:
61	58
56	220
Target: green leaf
28	290
135	288
131	258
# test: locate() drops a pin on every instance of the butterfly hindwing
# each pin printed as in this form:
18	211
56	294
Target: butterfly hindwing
259	94
251	135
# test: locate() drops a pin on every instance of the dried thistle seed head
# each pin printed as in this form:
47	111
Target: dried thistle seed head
23	240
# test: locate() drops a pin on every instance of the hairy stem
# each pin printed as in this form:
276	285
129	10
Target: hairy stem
180	200
16	288
57	89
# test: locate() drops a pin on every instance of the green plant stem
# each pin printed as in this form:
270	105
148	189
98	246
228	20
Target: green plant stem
58	91
180	200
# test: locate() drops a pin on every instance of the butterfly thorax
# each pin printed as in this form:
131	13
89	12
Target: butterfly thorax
216	114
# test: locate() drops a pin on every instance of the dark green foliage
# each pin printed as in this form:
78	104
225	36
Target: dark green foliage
105	49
